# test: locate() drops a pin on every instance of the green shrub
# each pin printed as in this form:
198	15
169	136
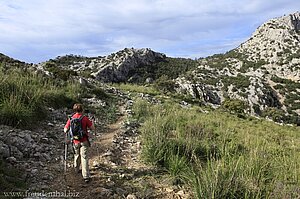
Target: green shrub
172	67
14	112
235	106
164	84
275	114
59	72
107	114
239	81
142	110
86	73
100	93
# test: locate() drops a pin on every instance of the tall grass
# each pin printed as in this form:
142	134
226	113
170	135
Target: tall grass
23	97
220	155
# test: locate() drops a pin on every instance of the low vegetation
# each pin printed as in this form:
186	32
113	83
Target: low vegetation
137	88
23	96
240	81
170	68
289	85
58	72
235	106
220	155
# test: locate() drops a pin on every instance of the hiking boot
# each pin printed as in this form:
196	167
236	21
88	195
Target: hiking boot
87	180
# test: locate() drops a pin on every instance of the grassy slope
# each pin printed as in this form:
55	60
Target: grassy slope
23	96
219	155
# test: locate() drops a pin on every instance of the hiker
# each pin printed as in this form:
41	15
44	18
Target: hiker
80	143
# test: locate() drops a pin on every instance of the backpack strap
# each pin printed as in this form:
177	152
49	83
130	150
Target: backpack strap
81	117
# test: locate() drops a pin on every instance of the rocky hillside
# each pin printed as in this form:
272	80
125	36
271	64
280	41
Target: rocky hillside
127	65
276	42
263	72
116	67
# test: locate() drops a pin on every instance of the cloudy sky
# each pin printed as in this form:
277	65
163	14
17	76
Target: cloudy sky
37	30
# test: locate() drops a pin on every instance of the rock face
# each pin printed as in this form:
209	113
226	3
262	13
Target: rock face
277	43
122	63
33	150
117	67
263	71
205	93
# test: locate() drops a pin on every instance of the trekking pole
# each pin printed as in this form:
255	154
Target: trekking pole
66	153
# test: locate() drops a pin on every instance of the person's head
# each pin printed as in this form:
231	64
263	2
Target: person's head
78	108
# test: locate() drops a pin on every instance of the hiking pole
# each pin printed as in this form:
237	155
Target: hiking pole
66	153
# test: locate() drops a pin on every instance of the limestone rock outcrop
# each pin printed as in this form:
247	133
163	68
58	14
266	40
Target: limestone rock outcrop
116	67
264	71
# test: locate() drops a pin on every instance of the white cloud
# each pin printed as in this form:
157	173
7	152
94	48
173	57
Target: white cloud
36	30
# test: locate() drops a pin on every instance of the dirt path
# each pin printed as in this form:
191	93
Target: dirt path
100	173
99	186
116	169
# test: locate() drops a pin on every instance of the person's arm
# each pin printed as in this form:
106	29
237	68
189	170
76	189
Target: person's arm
66	130
89	124
92	127
67	126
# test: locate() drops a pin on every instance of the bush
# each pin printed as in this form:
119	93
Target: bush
59	72
275	114
106	114
100	93
172	67
239	81
14	112
164	84
235	106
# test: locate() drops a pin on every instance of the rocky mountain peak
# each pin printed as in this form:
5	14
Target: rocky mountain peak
295	20
275	40
117	66
264	71
291	21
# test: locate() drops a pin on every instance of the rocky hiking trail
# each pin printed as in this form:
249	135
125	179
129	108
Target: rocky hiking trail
117	171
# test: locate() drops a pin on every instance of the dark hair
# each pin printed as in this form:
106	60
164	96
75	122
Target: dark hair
78	108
